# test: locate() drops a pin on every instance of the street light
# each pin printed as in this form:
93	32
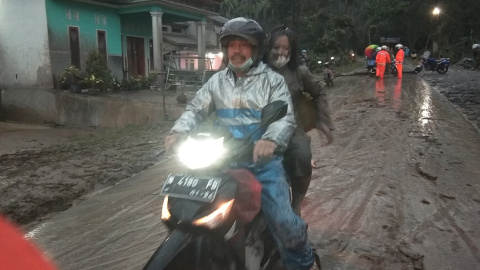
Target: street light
435	12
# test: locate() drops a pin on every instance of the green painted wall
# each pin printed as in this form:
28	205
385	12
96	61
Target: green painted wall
137	25
107	20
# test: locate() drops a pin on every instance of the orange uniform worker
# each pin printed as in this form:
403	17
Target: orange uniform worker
399	59
383	57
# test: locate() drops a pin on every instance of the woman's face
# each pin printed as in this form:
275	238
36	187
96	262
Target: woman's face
280	48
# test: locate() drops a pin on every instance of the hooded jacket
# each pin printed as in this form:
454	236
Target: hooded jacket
238	104
299	81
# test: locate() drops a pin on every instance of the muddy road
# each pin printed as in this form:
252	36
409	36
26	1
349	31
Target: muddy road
398	189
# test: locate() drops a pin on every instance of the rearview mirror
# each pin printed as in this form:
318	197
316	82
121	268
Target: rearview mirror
273	112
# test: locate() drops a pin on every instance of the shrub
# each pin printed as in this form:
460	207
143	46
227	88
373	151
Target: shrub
98	73
71	75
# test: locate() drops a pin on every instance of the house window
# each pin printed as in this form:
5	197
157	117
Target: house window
176	29
164	29
76	14
68	14
74	46
104	20
97	19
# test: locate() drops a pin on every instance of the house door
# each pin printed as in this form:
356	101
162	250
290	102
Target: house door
74	46
135	56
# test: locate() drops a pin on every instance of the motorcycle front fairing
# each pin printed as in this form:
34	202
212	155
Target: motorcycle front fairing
184	211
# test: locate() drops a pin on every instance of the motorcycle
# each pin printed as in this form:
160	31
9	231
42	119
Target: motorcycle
393	67
441	65
372	67
212	212
352	57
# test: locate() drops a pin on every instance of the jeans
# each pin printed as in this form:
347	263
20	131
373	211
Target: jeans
288	230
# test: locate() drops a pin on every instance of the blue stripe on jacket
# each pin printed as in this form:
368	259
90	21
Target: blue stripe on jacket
241	131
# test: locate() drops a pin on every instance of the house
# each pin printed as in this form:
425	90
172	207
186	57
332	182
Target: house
39	39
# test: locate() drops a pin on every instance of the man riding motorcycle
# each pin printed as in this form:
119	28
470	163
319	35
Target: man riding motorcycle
237	94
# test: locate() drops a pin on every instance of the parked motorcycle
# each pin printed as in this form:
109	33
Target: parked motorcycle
212	212
430	63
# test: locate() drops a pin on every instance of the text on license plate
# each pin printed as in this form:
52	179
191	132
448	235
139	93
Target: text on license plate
189	187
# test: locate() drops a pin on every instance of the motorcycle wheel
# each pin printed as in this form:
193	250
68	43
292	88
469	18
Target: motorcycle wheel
372	72
215	255
394	71
442	69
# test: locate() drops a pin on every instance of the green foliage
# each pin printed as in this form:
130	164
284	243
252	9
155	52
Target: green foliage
137	83
116	84
70	75
335	27
98	73
93	82
152	77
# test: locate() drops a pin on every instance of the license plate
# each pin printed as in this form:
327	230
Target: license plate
193	188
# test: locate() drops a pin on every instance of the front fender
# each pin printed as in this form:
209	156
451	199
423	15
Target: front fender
170	247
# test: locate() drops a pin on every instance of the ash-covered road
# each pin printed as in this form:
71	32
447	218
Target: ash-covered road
398	189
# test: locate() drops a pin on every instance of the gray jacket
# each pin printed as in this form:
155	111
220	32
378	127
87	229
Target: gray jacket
238	104
299	81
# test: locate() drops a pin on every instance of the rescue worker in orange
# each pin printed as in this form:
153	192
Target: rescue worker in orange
383	57
399	59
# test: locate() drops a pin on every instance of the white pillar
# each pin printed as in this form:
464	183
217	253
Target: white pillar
157	41
201	44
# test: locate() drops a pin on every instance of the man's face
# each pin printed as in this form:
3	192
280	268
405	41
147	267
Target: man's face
280	48
239	50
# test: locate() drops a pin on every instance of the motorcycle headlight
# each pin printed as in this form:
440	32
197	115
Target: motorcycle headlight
197	154
217	217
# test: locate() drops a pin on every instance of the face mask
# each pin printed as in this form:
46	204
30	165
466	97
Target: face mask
243	68
281	61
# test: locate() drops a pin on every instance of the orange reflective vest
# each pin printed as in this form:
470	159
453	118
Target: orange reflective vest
400	56
382	58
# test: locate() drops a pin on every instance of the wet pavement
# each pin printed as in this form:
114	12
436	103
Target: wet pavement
398	189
